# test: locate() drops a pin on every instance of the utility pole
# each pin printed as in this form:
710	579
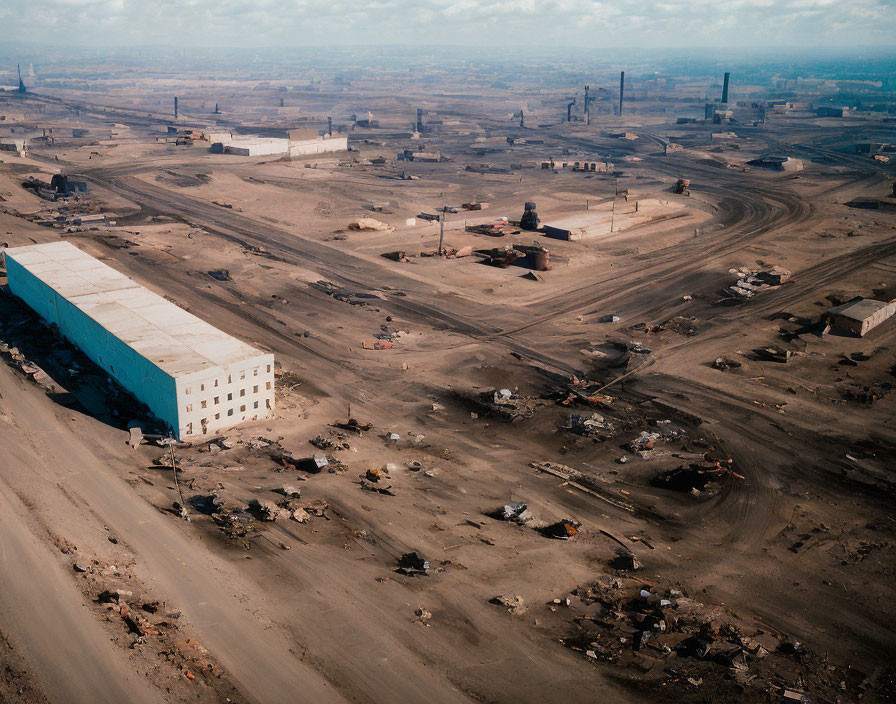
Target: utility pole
441	229
613	212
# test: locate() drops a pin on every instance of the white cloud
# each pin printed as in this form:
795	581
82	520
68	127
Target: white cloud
632	23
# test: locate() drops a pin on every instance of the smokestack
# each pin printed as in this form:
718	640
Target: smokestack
330	126
175	107
21	82
569	110
587	106
621	90
725	87
420	120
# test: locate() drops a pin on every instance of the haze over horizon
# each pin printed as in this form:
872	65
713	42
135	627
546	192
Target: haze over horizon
648	24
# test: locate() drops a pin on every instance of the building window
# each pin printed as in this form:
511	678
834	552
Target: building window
202	387
204	404
254	389
268	386
242	408
255	405
242	374
269	369
242	392
255	371
217	416
189	408
267	403
230	411
229	379
217	400
189	428
187	391
230	397
216	383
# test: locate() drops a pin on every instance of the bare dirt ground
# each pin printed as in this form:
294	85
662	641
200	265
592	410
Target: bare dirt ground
777	577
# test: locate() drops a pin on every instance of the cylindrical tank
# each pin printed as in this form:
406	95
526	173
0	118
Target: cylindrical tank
541	260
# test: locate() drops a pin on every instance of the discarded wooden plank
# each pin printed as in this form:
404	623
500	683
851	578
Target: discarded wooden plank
584	489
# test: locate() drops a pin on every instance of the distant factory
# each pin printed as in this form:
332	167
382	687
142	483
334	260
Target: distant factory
194	378
299	143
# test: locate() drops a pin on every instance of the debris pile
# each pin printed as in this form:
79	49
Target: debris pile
508	404
352	425
865	394
531	256
593	426
697	477
564	529
500	228
514	604
751	281
644	443
370	224
678	642
514	512
412	564
773	353
726	364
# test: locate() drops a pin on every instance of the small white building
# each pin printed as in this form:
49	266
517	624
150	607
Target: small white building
195	378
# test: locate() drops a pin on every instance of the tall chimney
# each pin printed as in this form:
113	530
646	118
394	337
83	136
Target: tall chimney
330	126
621	90
725	87
419	126
587	106
175	107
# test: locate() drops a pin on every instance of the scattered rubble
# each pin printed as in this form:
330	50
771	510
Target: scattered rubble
695	477
751	281
674	641
412	564
513	604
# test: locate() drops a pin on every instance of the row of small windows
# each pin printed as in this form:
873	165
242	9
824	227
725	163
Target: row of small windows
217	399
230	411
188	390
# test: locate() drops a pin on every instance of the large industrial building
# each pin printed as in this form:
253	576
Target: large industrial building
267	146
193	377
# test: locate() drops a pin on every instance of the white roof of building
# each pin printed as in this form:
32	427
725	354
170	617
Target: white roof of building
859	309
174	340
581	221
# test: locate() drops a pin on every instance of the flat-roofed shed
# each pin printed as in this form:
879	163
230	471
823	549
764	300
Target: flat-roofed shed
860	315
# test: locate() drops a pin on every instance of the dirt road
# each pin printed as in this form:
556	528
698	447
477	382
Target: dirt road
45	616
59	459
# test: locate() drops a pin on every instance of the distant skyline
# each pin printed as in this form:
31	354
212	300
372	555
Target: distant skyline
648	24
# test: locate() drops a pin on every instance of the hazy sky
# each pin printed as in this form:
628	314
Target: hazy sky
625	23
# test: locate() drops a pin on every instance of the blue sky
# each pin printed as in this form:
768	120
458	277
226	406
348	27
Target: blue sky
612	23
